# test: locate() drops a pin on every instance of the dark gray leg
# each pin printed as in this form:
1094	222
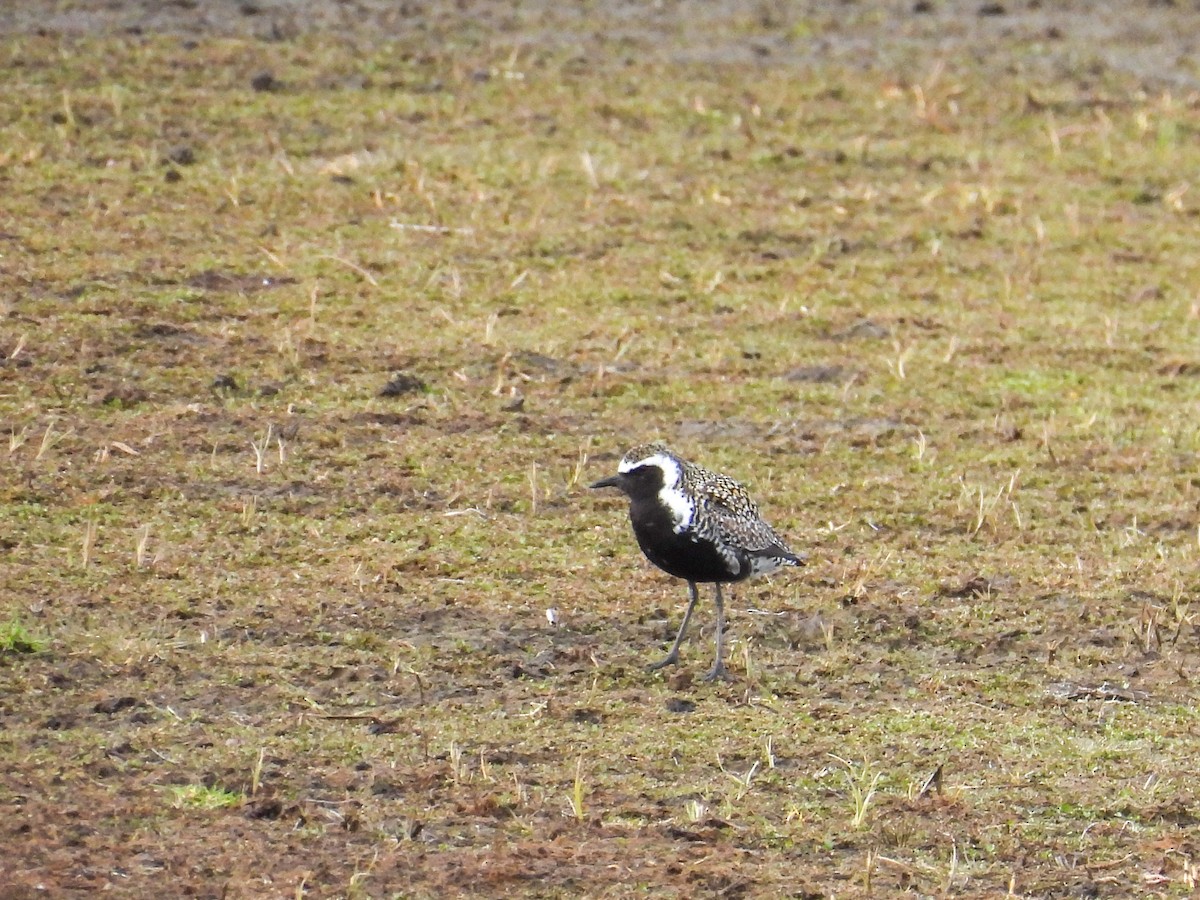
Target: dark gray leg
718	669
673	657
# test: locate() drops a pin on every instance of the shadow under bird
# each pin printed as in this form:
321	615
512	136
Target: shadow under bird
697	525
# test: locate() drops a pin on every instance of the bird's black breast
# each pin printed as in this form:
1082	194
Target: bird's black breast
680	554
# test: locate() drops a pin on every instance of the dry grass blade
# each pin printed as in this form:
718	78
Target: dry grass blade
260	450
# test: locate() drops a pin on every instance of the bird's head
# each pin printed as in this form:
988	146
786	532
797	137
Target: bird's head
645	471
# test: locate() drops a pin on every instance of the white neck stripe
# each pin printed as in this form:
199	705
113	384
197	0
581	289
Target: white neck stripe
670	494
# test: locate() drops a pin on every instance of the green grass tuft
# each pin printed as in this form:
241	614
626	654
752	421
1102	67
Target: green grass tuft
17	638
198	796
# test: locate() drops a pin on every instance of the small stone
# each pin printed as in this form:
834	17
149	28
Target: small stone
265	81
402	383
112	705
183	155
680	705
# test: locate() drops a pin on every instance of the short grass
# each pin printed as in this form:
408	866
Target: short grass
273	632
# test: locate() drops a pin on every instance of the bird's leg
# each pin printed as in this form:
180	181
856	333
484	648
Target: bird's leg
718	669
673	657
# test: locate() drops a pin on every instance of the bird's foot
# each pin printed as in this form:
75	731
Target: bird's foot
717	673
671	659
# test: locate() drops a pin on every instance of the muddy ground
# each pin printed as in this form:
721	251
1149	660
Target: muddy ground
315	319
1151	40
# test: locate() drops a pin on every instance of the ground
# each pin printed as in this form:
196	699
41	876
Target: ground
316	319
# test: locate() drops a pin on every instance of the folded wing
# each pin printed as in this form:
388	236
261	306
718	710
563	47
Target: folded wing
738	523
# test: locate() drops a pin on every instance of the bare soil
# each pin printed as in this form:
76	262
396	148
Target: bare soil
316	317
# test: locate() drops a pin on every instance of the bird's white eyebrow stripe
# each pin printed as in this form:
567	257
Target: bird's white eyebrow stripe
672	473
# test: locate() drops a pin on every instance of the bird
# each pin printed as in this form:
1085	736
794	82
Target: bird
697	525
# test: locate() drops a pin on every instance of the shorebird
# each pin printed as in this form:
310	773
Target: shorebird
697	525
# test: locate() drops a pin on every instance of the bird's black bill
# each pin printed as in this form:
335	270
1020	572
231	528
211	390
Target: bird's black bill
610	481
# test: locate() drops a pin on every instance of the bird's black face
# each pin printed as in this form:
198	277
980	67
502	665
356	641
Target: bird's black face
640	481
